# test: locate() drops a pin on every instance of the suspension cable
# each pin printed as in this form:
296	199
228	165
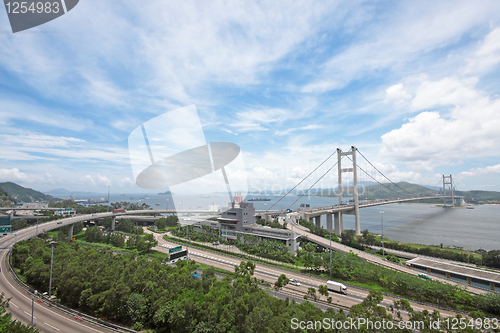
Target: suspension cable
302	181
327	171
390	189
381	172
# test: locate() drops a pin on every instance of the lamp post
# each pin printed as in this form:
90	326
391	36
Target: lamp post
382	221
33	307
51	262
107	210
37	226
331	252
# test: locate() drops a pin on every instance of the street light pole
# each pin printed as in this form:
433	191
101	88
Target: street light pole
108	200
51	262
382	221
33	307
331	252
37	226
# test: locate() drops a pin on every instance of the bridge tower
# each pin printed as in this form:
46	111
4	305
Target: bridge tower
354	189
448	180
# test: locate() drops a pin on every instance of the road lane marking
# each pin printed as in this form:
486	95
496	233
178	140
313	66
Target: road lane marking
13	304
51	326
29	314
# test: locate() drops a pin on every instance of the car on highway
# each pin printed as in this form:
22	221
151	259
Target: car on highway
423	276
294	282
59	222
215	243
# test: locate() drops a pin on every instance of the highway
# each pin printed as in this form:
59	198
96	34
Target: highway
369	257
50	319
270	274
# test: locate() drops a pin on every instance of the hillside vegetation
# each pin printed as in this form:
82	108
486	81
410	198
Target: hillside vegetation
23	194
5	199
404	189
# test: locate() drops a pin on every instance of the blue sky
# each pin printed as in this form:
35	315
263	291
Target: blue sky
414	85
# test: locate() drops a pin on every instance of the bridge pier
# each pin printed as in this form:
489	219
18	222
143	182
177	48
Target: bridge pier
70	232
339	223
317	221
113	220
329	222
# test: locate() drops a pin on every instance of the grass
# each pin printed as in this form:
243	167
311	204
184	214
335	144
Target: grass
473	255
242	256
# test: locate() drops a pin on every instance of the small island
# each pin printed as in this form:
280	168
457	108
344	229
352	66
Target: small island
165	193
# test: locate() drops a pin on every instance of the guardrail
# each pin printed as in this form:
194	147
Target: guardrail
78	315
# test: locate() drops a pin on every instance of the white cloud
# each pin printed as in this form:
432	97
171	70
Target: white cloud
12	175
430	138
409	33
30	139
447	91
88	180
253	120
126	181
492	169
104	180
396	94
487	56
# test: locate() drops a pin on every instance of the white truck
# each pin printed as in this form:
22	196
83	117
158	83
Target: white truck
337	287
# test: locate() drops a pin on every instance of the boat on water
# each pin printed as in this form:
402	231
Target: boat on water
259	199
470	207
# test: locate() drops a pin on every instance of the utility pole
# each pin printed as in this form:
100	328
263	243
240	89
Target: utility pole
51	262
108	200
382	221
32	307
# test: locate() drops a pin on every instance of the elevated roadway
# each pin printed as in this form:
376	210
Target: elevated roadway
334	246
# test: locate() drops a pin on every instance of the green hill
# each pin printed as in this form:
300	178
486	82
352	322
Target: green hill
387	190
404	189
23	194
5	199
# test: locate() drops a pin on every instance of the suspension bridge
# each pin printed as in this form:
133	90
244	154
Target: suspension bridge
362	173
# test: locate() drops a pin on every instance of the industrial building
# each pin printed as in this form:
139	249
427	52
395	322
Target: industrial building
239	220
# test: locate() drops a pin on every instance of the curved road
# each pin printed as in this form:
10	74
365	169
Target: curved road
47	319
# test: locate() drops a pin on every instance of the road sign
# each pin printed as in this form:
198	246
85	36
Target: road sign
4	229
175	249
179	255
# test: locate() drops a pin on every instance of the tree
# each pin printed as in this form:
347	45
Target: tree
311	292
9	325
323	290
281	282
245	268
348	237
94	235
172	221
161	223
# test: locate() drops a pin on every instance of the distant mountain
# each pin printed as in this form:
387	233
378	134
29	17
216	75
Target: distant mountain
23	194
384	191
57	191
476	195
